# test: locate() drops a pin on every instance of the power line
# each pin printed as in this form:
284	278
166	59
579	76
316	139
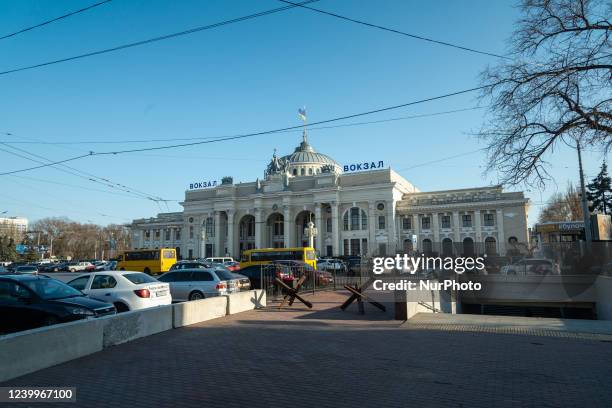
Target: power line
54	19
243	136
424	115
85	175
417	37
442	159
160	38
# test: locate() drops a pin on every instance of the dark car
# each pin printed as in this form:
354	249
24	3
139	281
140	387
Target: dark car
53	267
300	268
30	301
268	273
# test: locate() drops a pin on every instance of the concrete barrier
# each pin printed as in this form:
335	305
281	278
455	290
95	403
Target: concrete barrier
603	303
197	311
32	350
243	301
132	325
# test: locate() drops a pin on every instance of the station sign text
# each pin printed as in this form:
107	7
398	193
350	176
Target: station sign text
364	166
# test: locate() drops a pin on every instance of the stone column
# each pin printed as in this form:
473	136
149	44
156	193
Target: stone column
258	228
372	225
217	220
415	230
478	229
230	233
435	225
335	229
456	227
392	234
319	226
288	227
501	237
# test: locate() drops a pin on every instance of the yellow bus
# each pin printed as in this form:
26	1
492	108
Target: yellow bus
147	260
266	255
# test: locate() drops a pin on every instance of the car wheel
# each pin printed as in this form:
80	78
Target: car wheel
72	270
50	321
196	295
121	307
55	270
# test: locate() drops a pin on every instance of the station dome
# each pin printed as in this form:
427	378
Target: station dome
306	161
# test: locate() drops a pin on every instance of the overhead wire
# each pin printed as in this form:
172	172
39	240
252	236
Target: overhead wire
248	135
155	39
72	13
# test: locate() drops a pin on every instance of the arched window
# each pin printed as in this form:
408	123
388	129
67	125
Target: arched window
355	219
490	246
310	171
427	246
408	246
447	247
512	240
295	172
468	247
302	171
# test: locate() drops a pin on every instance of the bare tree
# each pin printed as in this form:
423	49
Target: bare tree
556	86
563	206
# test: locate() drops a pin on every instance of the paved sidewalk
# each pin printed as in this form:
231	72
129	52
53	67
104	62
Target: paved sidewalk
537	326
328	358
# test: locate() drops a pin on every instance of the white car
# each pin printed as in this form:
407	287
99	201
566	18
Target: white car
220	259
126	290
79	266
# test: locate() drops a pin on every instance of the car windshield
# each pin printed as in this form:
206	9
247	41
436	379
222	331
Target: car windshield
224	274
138	278
26	268
51	289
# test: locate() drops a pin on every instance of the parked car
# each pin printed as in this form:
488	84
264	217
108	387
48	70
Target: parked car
14	265
100	265
300	268
232	265
244	283
53	267
269	272
126	290
335	265
191	265
30	301
219	259
531	266
79	266
199	283
26	270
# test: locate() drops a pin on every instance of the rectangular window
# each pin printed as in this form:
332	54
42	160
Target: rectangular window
354	218
177	234
489	220
426	223
364	246
210	227
355	247
147	234
381	222
446	221
346	247
191	252
190	235
328	225
467	220
156	234
407	223
279	227
167	234
382	249
330	250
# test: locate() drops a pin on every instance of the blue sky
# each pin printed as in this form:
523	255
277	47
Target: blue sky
241	78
